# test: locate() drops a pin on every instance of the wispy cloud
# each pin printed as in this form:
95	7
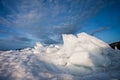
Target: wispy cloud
100	30
46	20
4	21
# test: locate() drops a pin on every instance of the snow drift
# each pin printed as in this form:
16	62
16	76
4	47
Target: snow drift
81	57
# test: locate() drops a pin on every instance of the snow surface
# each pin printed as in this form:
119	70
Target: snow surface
81	57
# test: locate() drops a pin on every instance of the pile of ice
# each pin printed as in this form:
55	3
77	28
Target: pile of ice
81	57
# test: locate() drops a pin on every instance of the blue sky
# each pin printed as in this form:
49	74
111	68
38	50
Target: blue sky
24	22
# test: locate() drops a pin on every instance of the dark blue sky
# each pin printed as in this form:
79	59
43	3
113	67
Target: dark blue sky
24	22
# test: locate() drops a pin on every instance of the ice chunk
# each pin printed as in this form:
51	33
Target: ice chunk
81	57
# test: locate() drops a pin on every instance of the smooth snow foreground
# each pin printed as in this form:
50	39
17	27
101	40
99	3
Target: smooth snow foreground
81	57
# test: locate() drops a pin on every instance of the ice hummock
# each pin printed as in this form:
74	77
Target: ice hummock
81	57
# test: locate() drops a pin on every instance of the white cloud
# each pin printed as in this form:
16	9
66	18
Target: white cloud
39	18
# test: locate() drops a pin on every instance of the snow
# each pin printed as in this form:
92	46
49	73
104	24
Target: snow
81	57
